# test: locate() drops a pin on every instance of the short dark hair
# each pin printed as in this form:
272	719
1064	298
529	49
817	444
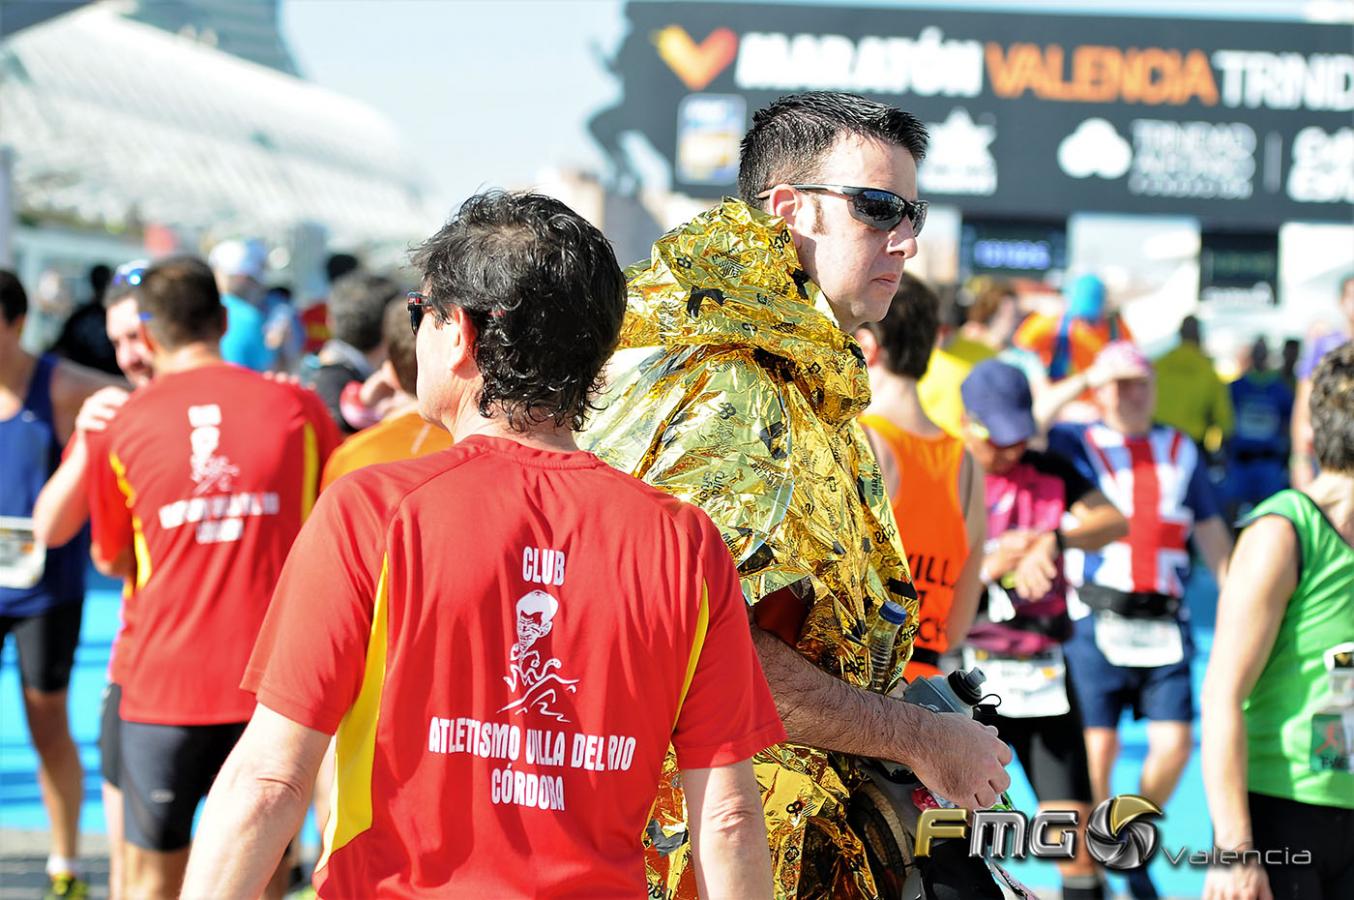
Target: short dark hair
789	138
357	305
1332	408
340	264
180	302
13	300
907	333
400	345
1190	330
546	297
99	276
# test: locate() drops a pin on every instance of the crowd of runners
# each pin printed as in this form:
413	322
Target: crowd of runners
537	577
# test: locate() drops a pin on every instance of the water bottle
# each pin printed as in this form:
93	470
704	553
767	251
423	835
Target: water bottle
957	692
882	638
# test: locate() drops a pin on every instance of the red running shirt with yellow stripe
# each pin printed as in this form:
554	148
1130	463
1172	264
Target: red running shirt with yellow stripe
506	640
204	477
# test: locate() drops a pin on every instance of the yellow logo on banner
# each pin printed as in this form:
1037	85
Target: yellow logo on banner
696	64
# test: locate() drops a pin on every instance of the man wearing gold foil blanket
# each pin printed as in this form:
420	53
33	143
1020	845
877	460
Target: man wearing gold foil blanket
737	388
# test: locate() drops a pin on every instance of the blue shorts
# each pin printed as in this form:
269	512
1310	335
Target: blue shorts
1161	694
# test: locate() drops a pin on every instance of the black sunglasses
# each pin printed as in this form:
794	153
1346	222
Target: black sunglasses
418	306
875	207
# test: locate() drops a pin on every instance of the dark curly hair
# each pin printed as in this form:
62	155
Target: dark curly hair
1332	407
546	297
789	138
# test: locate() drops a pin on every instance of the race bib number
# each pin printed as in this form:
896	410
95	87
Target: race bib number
1333	727
1029	686
22	557
1138	643
1333	741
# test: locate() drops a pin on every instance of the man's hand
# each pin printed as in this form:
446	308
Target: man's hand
283	378
955	756
1037	568
99	409
964	761
1237	882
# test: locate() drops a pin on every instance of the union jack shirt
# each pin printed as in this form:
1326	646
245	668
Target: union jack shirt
1158	482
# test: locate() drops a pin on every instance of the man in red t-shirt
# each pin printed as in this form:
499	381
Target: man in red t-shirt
197	490
507	635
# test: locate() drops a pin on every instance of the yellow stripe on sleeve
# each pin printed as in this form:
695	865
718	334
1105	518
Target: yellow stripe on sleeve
140	549
355	743
702	623
310	477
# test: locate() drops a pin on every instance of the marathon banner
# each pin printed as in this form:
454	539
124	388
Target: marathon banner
1241	123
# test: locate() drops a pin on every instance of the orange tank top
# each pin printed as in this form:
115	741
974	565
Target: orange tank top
931	524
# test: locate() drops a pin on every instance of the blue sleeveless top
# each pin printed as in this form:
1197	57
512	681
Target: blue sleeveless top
29	453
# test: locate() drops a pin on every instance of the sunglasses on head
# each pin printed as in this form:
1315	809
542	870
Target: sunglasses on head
129	274
877	208
418	306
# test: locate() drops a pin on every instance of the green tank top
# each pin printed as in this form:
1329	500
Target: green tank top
1299	739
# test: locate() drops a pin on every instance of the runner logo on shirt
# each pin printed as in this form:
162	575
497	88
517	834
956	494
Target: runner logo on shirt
216	511
528	670
211	472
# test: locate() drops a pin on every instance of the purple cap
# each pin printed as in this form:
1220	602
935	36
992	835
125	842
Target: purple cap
998	396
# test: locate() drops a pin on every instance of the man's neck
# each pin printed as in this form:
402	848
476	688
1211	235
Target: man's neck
401	404
895	398
1334	493
186	358
466	421
979	334
1117	424
16	368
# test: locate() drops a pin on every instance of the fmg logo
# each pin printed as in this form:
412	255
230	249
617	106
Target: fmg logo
1118	836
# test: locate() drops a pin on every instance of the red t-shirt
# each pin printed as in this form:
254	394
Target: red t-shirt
206	475
503	638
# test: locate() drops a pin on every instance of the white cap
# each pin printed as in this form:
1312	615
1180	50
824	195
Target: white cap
239	257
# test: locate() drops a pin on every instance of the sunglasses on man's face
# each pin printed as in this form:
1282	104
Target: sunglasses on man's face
877	208
418	306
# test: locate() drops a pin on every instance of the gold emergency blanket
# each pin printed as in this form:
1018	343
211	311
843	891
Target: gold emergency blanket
734	389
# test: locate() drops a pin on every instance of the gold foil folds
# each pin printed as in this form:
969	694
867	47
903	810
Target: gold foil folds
734	389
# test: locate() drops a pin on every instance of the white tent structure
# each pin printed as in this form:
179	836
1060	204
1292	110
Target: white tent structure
113	124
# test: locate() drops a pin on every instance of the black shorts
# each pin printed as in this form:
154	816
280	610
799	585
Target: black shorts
1052	751
1327	832
110	749
46	643
166	770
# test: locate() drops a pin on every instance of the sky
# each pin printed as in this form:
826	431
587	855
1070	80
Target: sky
490	93
485	93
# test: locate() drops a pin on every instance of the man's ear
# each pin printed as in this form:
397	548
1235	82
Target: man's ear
869	345
149	339
462	336
784	201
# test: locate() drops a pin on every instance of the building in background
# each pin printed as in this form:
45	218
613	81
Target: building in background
138	129
247	29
